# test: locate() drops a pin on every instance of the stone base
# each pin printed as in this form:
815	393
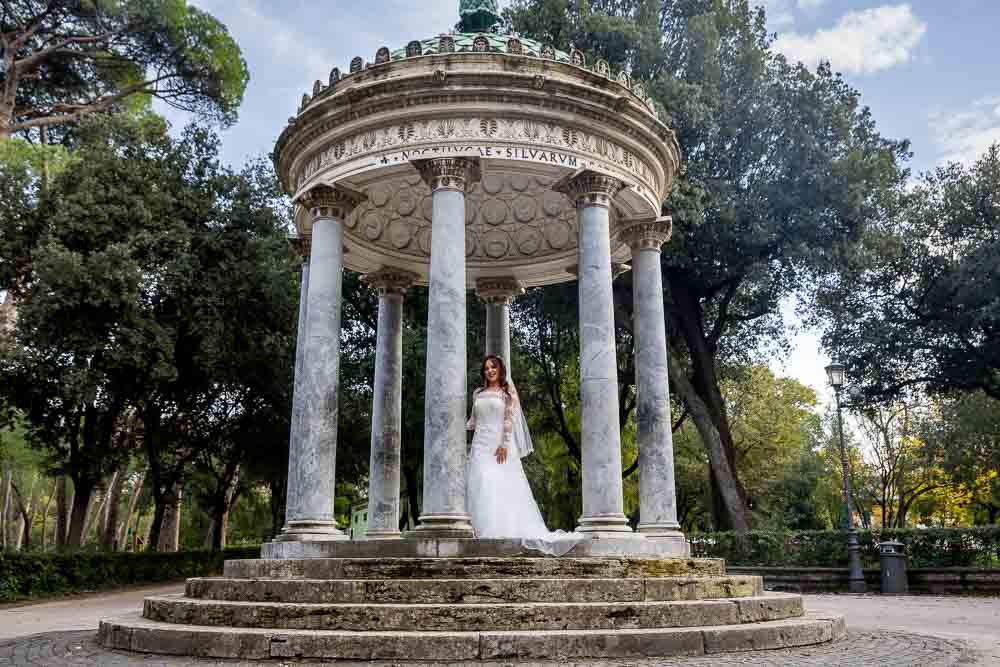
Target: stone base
475	607
311	531
417	546
133	633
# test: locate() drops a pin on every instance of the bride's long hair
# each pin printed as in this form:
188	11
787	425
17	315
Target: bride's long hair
501	366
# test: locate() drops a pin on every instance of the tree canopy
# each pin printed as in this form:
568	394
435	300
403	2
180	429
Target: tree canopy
915	303
63	59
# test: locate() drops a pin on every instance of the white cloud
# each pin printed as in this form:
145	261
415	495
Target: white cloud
963	136
861	42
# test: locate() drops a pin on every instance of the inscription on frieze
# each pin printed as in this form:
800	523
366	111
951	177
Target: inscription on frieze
484	137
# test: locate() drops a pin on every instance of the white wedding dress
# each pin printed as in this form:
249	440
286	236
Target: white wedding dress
499	497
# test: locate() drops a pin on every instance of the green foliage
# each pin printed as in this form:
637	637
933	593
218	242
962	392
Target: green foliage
40	575
916	303
924	547
81	58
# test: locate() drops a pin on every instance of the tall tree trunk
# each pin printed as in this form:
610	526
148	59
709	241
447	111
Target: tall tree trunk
123	531
109	528
23	505
689	318
719	462
170	522
45	515
219	515
5	509
83	489
62	511
94	513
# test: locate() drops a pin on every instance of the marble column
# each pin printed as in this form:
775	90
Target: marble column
657	495
603	502
497	293
444	512
383	475
301	245
312	460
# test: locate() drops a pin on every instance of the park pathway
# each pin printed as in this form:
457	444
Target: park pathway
75	613
882	632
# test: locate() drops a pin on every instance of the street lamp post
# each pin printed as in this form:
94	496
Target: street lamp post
856	578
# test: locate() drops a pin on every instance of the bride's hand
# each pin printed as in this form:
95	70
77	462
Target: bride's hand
501	454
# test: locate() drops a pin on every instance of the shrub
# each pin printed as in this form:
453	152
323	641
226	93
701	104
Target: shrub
27	575
925	547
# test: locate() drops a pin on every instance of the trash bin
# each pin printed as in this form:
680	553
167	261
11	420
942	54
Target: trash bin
892	564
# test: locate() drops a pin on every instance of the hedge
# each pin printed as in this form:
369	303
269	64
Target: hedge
925	547
29	575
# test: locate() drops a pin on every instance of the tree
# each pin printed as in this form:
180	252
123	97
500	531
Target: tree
916	304
161	283
64	59
901	475
781	165
964	439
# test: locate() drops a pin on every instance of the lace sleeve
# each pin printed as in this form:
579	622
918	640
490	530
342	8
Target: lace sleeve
471	424
508	418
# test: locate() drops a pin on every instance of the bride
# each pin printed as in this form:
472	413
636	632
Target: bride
499	498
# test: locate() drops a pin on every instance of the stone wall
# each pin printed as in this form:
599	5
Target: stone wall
934	581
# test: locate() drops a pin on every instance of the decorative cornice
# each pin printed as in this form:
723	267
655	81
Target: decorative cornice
498	290
590	188
449	173
388	280
301	246
646	234
325	201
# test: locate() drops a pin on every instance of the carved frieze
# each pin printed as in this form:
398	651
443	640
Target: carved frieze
522	139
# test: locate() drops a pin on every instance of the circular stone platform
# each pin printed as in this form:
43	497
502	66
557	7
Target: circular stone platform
474	609
862	648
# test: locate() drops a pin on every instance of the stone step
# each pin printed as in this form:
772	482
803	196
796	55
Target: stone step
473	568
133	633
474	591
472	617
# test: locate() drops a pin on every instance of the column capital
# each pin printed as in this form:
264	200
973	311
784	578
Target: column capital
590	188
331	201
390	281
498	290
643	234
449	173
300	246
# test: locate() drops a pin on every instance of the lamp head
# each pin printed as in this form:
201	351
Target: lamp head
835	372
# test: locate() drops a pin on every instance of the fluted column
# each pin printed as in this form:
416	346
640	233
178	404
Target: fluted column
603	503
497	293
383	470
657	495
444	512
312	459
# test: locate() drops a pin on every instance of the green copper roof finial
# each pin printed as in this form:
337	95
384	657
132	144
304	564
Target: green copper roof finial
478	15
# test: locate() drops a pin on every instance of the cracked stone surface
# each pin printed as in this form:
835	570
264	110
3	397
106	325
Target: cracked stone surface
862	648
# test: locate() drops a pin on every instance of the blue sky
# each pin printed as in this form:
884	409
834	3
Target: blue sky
927	68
